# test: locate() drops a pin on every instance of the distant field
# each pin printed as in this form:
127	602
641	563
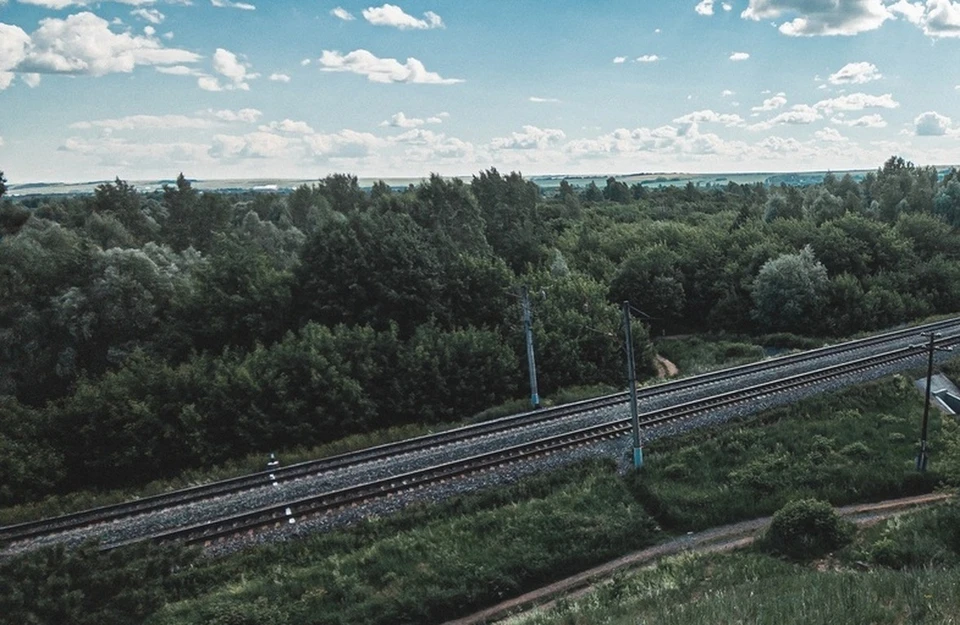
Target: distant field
545	182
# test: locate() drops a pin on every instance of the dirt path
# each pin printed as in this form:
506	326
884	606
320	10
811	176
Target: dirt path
665	368
725	538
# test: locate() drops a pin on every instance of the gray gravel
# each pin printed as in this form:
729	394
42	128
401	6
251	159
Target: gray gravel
131	528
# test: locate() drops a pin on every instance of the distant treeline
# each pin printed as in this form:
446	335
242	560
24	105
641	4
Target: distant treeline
142	334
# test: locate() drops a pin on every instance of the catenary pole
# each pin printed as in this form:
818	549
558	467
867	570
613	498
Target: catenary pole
632	380
528	334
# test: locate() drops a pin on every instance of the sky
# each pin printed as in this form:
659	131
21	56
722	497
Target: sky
146	89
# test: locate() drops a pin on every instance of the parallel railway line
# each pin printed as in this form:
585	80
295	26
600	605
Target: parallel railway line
351	495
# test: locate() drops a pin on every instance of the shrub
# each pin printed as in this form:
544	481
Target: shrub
807	528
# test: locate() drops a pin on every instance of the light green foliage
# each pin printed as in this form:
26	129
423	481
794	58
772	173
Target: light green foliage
788	291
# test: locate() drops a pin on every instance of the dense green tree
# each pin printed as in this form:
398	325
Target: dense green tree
788	292
513	228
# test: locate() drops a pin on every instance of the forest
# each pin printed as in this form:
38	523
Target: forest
145	333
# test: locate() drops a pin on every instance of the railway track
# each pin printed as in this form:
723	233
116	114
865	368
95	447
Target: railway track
27	531
290	513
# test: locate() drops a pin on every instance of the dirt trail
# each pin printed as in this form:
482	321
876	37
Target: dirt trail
665	368
718	539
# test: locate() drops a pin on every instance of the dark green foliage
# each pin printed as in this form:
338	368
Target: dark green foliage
85	586
806	529
925	540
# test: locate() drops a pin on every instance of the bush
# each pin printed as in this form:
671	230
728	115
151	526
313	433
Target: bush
807	528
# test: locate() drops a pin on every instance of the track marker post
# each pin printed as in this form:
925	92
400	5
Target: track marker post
632	380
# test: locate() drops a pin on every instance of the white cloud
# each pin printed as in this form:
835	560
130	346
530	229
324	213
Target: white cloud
251	145
31	80
228	4
866	121
830	135
82	44
932	124
857	102
247	115
1	142
739	56
855	74
392	15
427	146
799	114
648	58
532	138
226	64
544	100
289	126
145	122
400	120
180	70
708	116
344	144
117	153
705	7
727	93
727	6
277	77
937	18
343	14
149	15
619	59
305	62
771	104
820	17
384	70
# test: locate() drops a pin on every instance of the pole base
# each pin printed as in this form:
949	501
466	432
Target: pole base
922	463
637	457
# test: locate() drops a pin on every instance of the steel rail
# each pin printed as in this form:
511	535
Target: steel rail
291	512
66	522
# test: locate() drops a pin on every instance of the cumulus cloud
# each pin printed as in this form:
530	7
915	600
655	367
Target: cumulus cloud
771	104
705	7
866	121
288	126
857	102
392	15
229	66
534	98
31	80
343	14
855	74
428	146
798	114
247	115
201	120
932	124
648	58
739	56
726	93
937	18
400	120
228	4
180	70
830	135
532	138
708	116
149	15
251	145
343	144
384	70
619	59
727	7
820	17
277	77
81	44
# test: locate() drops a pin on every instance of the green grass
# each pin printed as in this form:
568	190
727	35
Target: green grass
753	587
858	445
695	354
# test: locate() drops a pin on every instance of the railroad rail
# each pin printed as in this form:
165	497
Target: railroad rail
296	511
25	531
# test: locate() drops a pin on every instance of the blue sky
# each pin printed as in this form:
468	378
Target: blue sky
146	89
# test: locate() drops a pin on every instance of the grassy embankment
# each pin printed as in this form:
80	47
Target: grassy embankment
435	562
904	570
